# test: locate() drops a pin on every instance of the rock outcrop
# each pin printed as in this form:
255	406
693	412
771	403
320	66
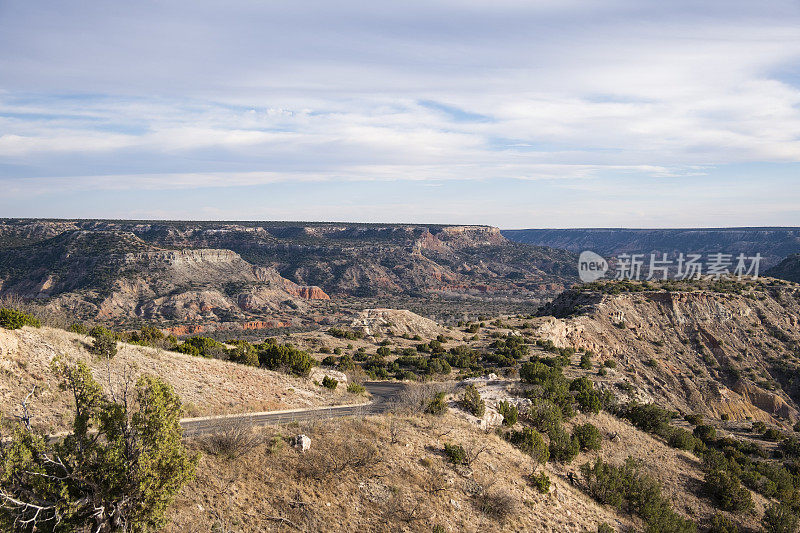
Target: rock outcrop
118	271
397	322
706	351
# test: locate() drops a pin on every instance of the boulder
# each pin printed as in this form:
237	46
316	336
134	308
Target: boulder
301	443
318	374
491	419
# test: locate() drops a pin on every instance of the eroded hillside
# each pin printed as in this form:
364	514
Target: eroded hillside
278	272
719	349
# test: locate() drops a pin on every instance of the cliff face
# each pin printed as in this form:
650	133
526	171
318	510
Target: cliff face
117	276
701	351
220	271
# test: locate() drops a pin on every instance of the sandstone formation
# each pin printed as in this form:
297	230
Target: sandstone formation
122	271
396	322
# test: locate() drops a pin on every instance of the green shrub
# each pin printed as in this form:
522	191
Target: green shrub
473	402
648	417
790	447
152	336
243	353
773	434
79	328
355	388
722	524
346	363
329	383
455	454
531	442
328	361
759	427
586	362
200	346
610	363
509	412
694	419
437	405
122	463
563	448
727	491
682	439
104	346
587	398
779	518
345	334
604	528
606	483
13	319
588	437
286	358
629	484
705	432
545	416
541	482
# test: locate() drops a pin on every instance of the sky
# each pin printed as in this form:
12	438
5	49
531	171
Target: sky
517	114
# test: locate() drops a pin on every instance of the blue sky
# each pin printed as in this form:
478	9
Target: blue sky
511	113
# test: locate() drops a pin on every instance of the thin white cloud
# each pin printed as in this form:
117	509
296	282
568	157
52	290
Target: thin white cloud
187	95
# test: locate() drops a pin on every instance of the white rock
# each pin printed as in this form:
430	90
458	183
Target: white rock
491	418
301	443
318	374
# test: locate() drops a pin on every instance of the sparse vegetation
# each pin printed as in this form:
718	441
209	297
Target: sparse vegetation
727	491
355	388
629	486
13	319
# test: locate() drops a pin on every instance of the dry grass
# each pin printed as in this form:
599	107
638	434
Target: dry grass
355	479
206	386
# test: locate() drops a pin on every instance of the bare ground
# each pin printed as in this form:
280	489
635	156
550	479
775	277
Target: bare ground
404	484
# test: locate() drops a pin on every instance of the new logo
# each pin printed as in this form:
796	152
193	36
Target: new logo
591	266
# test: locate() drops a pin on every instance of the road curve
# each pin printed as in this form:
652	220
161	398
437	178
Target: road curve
383	395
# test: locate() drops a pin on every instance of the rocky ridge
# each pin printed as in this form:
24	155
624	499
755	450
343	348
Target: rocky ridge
203	271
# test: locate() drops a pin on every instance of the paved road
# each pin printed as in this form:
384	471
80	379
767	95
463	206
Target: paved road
383	395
